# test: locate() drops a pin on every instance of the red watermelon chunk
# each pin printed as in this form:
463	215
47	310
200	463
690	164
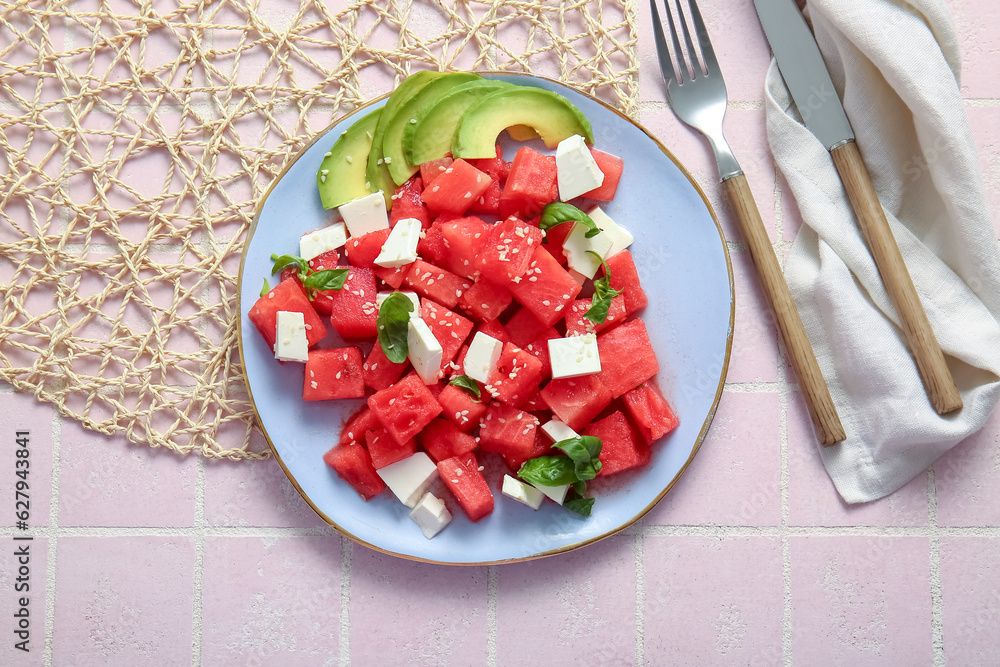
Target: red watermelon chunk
443	440
539	348
546	289
404	408
431	169
494	329
460	408
362	250
523	328
508	431
530	185
495	167
456	188
286	295
393	277
508	250
353	465
385	450
433	245
450	329
555	237
576	401
323	299
485	301
407	203
357	425
378	371
516	377
625	277
489	201
355	311
333	373
620	447
627	357
541	447
650	411
435	283
535	403
463	478
464	239
612	166
577	324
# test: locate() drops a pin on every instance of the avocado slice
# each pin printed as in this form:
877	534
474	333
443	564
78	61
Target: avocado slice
522	133
392	141
341	177
430	138
550	114
377	171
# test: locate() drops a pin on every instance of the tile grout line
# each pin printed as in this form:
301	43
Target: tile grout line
492	585
934	558
346	561
51	560
199	562
640	599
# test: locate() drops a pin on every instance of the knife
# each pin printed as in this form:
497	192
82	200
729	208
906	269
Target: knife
805	74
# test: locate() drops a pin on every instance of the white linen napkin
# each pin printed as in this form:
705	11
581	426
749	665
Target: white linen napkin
896	66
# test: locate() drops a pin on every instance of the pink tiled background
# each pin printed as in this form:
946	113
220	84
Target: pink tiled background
142	557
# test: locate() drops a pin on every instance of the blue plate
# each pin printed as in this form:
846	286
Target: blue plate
682	260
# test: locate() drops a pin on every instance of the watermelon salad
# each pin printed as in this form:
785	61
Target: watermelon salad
484	308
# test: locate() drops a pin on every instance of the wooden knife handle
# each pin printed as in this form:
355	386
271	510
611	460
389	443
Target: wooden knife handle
937	379
800	352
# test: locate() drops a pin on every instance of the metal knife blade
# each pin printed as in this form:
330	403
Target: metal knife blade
802	67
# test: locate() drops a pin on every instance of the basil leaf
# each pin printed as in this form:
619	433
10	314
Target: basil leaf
393	323
580	488
265	289
548	471
604	293
287	260
326	279
583	451
468	385
557	212
581	506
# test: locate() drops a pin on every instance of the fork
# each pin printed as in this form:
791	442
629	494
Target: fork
698	97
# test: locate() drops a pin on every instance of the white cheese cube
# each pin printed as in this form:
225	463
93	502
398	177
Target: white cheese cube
575	248
365	214
556	493
574	356
409	478
318	241
412	296
521	492
290	342
558	431
401	246
482	357
620	237
431	515
425	351
576	169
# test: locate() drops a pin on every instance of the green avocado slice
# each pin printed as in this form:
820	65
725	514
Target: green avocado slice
377	171
430	138
392	141
341	177
551	115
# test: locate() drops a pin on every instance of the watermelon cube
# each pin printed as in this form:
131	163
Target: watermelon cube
354	312
530	185
621	448
357	425
651	414
362	250
385	450
333	373
555	237
577	324
516	377
508	250
625	277
508	431
464	239
539	348
463	478
286	295
432	246
523	328
392	276
430	170
323	299
456	188
541	447
450	329
461	408
494	329
485	300
378	371
353	465
435	283
627	357
576	401
612	166
443	440
546	289
404	408
407	203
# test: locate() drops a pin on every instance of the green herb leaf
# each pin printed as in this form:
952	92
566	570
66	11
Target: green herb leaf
583	451
287	260
580	488
393	324
468	385
604	293
548	471
581	506
326	279
557	212
265	289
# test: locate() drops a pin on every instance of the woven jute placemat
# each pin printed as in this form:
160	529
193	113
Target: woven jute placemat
136	139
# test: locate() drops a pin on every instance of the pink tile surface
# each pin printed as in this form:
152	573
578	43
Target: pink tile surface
712	601
970	592
967	479
404	612
979	44
254	493
22	578
985	123
861	600
571	609
124	600
271	601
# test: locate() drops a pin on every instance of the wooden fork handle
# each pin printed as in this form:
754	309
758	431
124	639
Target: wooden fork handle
800	352
938	381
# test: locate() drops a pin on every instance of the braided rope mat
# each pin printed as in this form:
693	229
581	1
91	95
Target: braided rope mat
136	139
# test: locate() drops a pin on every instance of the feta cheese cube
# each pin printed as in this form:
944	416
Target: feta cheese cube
521	492
482	357
575	248
318	241
620	237
409	478
558	431
576	169
556	493
412	296
365	214
290	342
401	246
574	356
425	351
431	515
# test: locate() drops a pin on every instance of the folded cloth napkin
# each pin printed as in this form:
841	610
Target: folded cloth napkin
896	65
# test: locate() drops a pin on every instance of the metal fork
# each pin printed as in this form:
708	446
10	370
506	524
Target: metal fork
698	97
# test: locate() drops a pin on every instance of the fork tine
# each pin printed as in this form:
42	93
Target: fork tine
707	52
692	60
661	45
